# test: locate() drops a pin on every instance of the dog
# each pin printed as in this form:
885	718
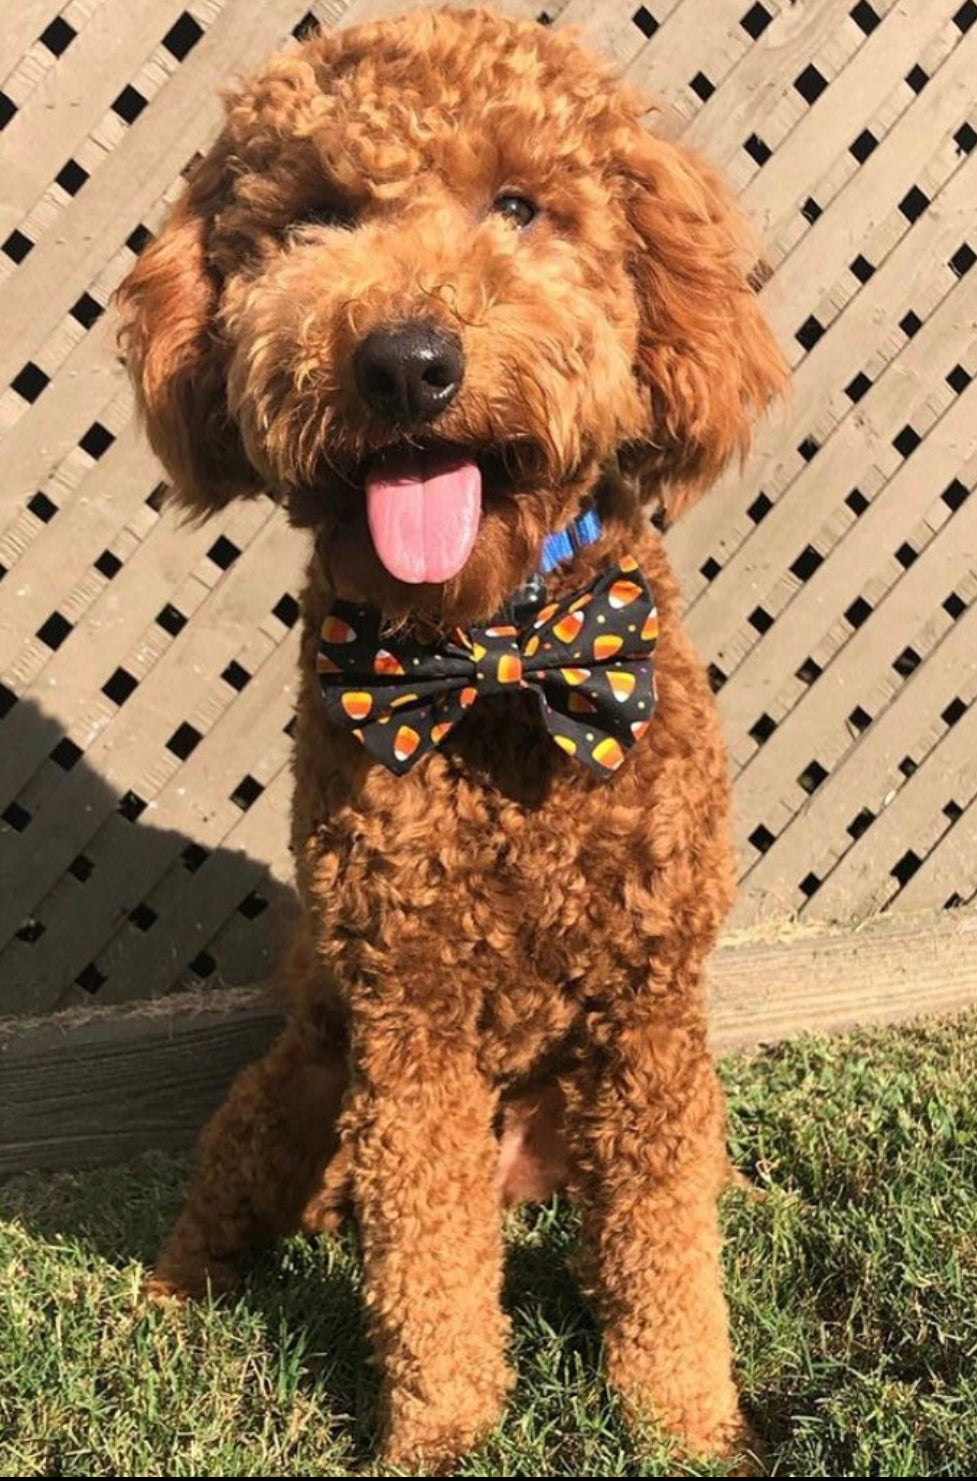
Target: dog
439	290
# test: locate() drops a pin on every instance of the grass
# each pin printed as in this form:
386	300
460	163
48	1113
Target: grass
852	1273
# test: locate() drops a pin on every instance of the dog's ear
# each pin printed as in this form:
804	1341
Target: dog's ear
175	356
706	355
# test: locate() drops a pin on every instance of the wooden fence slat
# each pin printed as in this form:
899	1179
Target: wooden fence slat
616	34
852	443
700	35
864	779
125	478
762	80
150	966
22	24
828	129
89	380
898	283
870	650
179	679
199	791
942	870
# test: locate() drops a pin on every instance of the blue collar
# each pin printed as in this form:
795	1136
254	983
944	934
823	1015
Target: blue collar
585	530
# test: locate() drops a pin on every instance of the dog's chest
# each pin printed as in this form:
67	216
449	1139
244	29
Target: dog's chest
500	892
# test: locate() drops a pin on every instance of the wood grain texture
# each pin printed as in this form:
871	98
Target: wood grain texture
88	1087
79	1091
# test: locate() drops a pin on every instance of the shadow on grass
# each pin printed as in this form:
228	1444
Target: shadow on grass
116	1214
306	1295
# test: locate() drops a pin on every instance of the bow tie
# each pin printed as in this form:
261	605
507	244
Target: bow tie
588	659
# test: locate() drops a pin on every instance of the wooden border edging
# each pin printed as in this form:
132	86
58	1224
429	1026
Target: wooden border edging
771	983
84	1088
80	1089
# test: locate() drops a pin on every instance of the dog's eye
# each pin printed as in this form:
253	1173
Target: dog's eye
515	208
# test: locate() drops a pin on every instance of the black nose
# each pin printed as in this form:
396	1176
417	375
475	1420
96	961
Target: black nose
411	373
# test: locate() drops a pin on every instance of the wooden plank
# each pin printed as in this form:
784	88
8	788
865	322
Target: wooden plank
817	979
96	1087
84	1089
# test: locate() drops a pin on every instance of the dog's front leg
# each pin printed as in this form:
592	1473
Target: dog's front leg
419	1121
646	1129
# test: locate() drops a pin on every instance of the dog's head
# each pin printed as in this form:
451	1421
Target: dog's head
433	277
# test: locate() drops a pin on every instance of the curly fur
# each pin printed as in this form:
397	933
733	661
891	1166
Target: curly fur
498	988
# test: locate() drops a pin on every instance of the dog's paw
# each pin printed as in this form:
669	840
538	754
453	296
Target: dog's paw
175	1282
165	1293
430	1438
744	1449
431	1454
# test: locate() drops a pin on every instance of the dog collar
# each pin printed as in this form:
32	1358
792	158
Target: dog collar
585	529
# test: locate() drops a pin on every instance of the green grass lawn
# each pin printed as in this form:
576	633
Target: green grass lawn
852	1276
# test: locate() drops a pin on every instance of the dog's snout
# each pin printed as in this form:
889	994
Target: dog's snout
410	373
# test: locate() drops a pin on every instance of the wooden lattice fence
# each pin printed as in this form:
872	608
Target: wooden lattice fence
147	671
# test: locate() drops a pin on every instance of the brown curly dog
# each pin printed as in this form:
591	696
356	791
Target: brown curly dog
437	290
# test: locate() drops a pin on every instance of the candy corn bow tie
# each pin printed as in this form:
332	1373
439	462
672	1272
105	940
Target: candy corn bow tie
587	659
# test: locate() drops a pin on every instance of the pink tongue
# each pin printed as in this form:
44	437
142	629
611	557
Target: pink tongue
423	517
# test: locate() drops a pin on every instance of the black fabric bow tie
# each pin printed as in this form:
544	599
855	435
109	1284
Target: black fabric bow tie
588	659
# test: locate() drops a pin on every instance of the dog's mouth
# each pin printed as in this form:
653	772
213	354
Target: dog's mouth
424	502
423	509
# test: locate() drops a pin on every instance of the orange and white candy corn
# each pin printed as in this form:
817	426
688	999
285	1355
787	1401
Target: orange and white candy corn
335	630
607	645
623	592
386	663
356	704
568	627
406	742
622	685
608	752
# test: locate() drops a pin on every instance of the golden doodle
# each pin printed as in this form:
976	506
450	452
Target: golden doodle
439	291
